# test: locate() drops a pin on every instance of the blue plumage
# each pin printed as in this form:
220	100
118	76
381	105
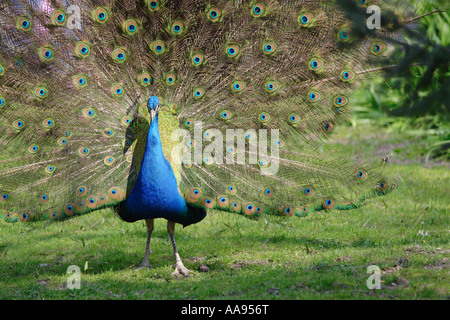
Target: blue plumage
150	198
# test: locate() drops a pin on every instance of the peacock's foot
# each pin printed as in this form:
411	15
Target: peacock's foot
144	265
181	270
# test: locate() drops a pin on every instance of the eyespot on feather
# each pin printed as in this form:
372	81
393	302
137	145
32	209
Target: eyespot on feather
236	206
314	96
340	101
238	86
272	86
54	215
25	216
40	92
327	127
109	161
119	55
208	160
82	49
81	191
195	193
100	15
347	75
269	47
361	174
287	211
79	81
344	35
58	18
279	143
264	117
316	64
214	14
18	124
62	142
328	203
115	193
4	197
294	119
249	209
117	90
80	206
33	148
222	201
170	79
263	163
250	135
258	10
130	27
208	203
382	185
153	5
225	115
92	202
69	209
108	132
187	164
83	151
231	189
189	123
89	113
305	19
44	198
177	27
126	120
198	93
197	59
50	169
378	48
308	191
158	47
233	50
23	23
46	54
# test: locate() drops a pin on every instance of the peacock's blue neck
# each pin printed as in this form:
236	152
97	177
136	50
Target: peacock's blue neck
155	192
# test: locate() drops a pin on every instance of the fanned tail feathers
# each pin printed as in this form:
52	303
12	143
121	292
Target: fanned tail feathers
250	91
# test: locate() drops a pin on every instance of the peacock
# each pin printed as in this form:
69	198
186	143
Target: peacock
170	108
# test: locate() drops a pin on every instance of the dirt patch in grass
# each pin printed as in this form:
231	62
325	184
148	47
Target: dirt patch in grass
244	263
438	265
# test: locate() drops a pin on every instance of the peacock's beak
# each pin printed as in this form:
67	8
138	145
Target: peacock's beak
154	112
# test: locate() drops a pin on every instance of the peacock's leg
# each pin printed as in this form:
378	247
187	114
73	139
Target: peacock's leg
180	269
145	263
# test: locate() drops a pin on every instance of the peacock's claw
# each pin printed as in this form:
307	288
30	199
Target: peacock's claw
181	270
144	265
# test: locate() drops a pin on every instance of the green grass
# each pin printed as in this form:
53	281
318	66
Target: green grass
322	256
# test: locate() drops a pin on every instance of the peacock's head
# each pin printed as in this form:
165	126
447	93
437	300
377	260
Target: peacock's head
153	106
